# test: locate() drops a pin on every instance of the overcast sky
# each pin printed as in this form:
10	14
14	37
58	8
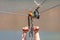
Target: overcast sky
15	5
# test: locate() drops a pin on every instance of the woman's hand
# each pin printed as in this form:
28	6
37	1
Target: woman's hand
36	29
25	29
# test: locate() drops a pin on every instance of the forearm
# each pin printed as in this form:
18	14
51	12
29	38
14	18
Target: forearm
24	36
36	36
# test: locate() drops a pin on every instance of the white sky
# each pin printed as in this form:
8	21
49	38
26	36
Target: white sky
15	5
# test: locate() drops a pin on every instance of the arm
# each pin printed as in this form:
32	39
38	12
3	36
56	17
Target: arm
25	30
36	33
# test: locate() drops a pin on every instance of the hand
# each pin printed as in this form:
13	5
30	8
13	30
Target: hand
36	29
25	29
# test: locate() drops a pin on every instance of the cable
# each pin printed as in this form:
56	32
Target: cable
43	2
50	8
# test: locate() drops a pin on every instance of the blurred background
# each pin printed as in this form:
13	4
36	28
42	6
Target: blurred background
13	16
